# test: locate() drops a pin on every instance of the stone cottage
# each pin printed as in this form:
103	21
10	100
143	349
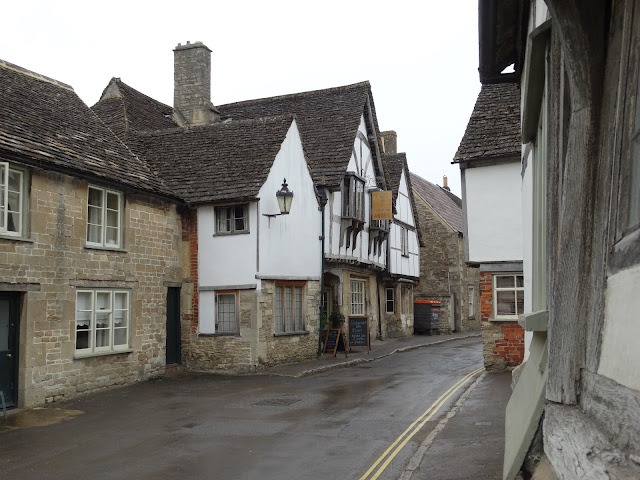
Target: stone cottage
445	276
89	249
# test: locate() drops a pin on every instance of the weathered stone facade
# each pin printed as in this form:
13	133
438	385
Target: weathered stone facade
502	341
47	268
398	323
443	271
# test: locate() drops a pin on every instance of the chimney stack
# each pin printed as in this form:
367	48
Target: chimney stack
192	84
445	183
389	142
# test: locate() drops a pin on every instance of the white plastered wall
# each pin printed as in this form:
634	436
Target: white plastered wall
398	264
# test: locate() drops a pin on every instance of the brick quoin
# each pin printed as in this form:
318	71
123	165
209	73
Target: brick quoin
190	233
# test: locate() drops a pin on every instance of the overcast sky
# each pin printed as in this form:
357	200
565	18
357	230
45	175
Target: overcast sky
422	62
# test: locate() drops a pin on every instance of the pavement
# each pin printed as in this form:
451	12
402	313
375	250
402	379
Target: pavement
379	349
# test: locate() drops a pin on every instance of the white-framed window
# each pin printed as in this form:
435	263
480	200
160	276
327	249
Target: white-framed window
102	320
289	307
508	295
353	197
12	200
390	300
104	218
357	297
470	295
404	241
227	312
232	219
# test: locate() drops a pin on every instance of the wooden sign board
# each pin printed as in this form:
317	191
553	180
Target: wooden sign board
332	339
359	333
381	205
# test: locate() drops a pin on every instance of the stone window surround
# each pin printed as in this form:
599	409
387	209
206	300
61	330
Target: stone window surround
236	295
102	244
390	301
111	349
358	303
470	298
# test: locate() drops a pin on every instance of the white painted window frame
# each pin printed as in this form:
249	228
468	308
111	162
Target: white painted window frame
353	197
103	219
513	289
391	300
92	349
358	297
5	169
404	241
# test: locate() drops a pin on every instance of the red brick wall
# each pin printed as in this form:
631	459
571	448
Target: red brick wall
190	234
503	342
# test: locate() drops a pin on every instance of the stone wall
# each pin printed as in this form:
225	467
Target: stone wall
47	269
443	271
400	322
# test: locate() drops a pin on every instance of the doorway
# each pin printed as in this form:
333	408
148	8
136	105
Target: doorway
174	355
9	318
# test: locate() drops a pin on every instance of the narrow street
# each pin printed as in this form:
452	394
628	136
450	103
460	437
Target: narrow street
331	425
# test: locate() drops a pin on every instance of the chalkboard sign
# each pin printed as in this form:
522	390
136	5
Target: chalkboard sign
359	333
332	338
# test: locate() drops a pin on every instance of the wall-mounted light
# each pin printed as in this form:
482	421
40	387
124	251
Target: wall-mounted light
285	198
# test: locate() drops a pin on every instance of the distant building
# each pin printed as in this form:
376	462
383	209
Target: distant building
444	274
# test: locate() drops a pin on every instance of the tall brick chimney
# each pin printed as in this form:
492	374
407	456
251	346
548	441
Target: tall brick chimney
389	142
192	84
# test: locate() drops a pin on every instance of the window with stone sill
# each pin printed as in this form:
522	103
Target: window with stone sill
104	217
357	297
232	219
508	296
13	201
226	312
289	307
102	321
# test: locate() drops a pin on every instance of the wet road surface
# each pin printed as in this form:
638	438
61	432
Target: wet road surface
329	425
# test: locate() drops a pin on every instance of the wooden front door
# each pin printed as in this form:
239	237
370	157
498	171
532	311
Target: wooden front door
9	317
174	355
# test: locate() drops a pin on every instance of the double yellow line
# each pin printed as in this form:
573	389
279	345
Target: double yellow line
415	427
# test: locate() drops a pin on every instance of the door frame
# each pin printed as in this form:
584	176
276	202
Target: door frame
173	316
14	343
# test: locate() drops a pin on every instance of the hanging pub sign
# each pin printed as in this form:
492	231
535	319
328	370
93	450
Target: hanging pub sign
381	205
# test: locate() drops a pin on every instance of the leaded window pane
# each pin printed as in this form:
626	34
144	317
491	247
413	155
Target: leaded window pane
279	313
226	321
298	309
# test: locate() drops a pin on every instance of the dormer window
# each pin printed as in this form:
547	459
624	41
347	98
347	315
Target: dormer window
353	197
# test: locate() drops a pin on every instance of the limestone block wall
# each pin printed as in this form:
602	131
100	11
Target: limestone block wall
400	322
443	271
46	269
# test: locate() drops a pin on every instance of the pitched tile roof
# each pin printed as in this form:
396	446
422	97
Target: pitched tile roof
328	121
493	130
440	200
218	162
123	108
394	164
44	123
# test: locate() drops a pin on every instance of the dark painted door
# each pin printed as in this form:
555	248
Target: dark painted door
9	347
173	326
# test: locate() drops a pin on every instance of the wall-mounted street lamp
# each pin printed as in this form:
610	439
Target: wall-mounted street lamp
285	198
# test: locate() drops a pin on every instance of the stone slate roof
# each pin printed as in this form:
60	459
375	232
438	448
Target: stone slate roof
45	124
123	108
493	130
212	163
394	164
440	200
328	121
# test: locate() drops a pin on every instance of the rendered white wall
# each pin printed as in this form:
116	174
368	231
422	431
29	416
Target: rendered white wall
493	200
289	244
527	230
620	355
398	264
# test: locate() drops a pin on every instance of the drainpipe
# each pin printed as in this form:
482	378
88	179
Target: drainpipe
322	200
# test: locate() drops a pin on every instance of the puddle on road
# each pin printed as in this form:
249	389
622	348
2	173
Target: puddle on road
37	417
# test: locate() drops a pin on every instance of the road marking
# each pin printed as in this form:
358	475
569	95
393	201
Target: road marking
415	427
